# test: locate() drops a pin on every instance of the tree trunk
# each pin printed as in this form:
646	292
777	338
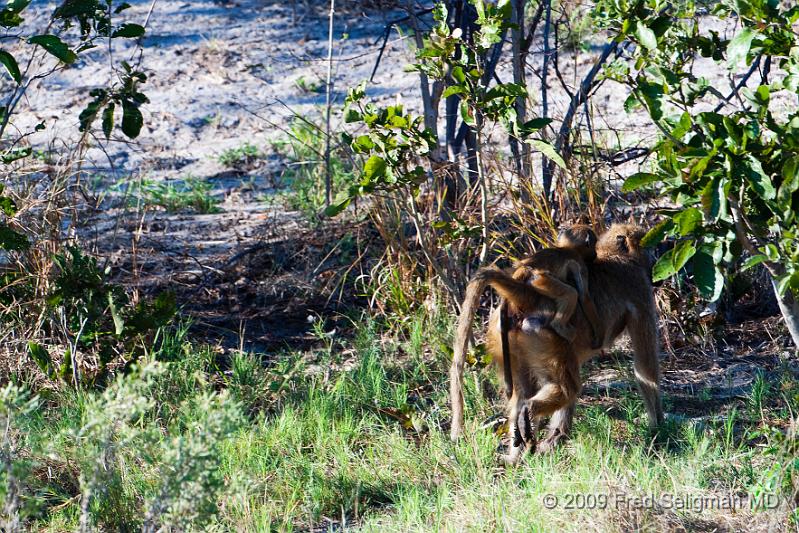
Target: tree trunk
546	168
789	307
520	153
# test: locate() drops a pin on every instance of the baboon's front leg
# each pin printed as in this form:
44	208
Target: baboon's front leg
559	428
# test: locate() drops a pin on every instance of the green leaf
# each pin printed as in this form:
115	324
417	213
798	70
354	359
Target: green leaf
548	150
682	253
790	182
108	119
41	357
646	36
753	262
55	47
374	168
458	74
336	208
638	180
453	89
688	220
15	154
11	65
658	233
8	206
739	47
631	103
673	260
535	124
11	240
466	114
351	115
713	199
132	120
9	17
129	31
760	183
707	275
664	268
119	323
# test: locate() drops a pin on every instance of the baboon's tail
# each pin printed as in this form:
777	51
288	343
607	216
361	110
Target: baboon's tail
510	290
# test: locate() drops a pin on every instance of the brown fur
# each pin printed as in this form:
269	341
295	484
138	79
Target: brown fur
545	367
552	271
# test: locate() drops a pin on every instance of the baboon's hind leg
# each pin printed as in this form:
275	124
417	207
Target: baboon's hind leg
644	340
565	297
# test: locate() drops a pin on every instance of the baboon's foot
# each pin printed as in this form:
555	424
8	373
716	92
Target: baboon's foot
525	428
514	454
553	439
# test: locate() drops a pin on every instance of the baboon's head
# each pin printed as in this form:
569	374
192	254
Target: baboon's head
579	237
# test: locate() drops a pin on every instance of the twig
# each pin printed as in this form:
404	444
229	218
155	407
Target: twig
739	85
328	90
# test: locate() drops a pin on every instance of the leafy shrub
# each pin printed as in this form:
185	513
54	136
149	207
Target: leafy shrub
304	149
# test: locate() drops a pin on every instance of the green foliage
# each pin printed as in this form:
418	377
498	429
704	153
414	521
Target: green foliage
365	440
392	144
189	193
96	316
15	469
189	464
10	239
239	157
396	141
93	18
732	170
304	147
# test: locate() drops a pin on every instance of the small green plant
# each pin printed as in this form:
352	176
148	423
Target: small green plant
240	157
90	315
304	173
575	29
191	481
308	86
15	403
248	380
189	194
759	393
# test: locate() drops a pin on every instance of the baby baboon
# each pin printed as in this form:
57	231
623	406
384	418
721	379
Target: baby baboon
544	366
560	273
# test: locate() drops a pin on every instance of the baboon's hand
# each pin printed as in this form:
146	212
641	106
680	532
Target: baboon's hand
524	427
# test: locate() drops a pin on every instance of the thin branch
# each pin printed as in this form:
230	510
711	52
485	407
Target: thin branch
739	85
328	92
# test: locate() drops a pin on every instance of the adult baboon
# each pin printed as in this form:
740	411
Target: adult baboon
544	366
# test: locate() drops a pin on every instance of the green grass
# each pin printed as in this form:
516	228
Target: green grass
357	437
240	156
193	194
303	151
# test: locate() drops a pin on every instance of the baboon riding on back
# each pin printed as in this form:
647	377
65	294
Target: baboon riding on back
558	310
